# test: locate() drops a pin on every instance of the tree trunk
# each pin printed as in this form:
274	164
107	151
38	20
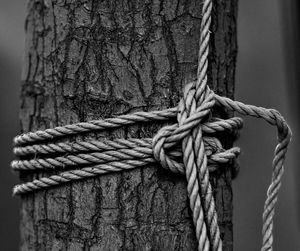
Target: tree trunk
89	60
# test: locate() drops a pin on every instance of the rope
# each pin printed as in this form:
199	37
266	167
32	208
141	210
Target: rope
218	125
111	161
188	147
118	151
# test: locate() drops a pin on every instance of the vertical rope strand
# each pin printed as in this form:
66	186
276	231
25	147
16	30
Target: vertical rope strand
203	91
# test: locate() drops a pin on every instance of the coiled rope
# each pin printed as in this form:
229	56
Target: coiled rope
185	147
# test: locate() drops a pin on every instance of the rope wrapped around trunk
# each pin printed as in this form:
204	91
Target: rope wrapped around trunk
186	147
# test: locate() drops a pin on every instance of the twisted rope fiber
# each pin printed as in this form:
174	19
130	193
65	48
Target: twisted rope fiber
185	147
120	152
112	161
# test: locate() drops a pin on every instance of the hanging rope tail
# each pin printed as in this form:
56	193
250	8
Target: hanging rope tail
188	147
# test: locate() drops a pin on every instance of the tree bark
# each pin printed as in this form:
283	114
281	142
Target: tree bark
89	60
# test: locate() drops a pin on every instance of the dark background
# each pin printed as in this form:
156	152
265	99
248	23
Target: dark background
267	74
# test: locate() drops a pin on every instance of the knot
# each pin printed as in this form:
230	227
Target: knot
167	142
182	148
171	159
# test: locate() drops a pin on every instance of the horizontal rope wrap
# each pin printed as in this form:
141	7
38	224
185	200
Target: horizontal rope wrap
129	151
117	149
218	125
98	154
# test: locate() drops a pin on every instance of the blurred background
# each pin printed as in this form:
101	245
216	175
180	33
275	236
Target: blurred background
267	75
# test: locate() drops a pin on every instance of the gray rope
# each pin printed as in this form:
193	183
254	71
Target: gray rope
218	125
114	123
96	125
118	151
273	117
185	147
113	165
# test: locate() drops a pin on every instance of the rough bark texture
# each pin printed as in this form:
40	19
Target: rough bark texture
96	59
